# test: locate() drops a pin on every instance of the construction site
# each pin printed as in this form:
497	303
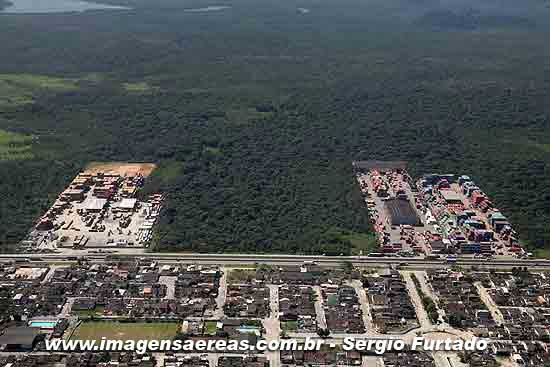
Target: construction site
100	209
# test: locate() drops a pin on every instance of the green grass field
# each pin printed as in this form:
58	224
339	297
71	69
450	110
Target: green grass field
289	325
362	244
542	253
241	275
98	311
14	147
95	330
169	171
210	327
20	89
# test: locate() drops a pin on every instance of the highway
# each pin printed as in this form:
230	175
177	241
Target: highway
248	259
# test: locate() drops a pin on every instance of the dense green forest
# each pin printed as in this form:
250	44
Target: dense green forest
255	112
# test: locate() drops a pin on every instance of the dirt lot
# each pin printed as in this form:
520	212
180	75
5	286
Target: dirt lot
121	168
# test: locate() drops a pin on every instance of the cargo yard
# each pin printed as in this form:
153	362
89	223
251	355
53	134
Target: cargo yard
99	209
438	215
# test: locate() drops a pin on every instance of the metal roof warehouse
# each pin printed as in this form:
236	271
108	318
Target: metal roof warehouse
401	212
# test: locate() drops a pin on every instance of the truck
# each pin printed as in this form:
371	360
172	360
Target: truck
451	259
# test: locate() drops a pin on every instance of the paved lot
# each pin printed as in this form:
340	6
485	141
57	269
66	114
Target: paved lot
486	298
365	306
272	326
421	313
170	283
384	220
319	310
222	293
427	289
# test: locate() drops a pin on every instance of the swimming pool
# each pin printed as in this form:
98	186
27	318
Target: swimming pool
43	324
249	329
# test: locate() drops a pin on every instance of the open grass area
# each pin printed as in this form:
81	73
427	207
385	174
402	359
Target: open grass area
95	330
362	244
332	300
98	311
289	325
543	147
210	327
14	147
542	253
20	89
241	275
139	87
169	171
212	150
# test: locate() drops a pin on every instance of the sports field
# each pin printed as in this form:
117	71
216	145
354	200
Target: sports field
95	330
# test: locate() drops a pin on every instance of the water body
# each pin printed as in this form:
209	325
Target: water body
207	9
56	6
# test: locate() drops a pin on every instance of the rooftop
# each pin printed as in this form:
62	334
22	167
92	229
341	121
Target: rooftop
450	195
19	335
96	204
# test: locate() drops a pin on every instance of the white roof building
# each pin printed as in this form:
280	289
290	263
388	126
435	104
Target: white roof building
127	204
96	204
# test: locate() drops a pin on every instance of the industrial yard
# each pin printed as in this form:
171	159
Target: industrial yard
438	215
100	209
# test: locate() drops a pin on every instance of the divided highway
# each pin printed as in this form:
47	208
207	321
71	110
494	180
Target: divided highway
247	259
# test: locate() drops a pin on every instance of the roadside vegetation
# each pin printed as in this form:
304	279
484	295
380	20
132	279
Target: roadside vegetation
429	305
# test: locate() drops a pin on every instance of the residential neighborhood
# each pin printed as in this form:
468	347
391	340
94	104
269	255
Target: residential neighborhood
166	300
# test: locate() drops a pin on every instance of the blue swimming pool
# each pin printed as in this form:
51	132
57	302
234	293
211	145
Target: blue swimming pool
43	324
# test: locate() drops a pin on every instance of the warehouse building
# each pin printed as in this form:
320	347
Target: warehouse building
401	212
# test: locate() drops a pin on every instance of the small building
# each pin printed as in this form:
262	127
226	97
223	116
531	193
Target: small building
96	205
451	197
72	194
127	204
105	191
19	338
